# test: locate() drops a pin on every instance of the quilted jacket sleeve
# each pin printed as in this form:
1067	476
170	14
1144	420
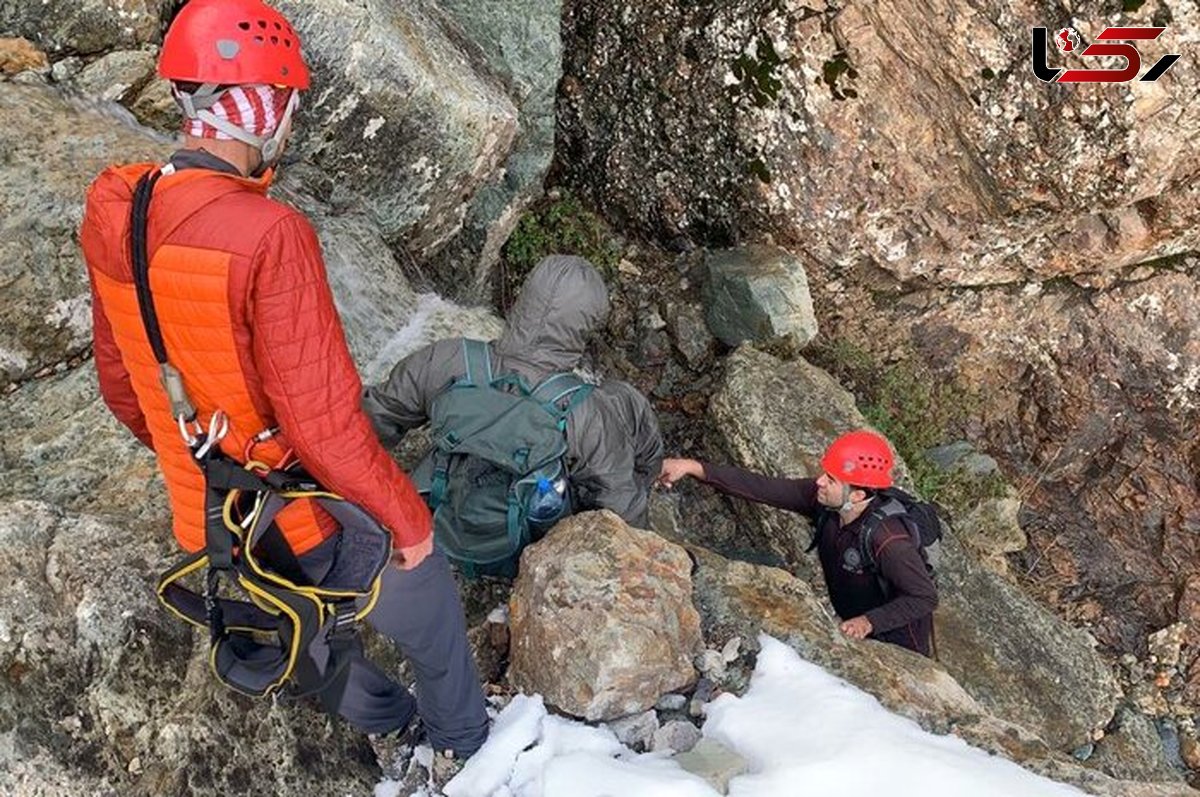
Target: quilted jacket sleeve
301	354
115	385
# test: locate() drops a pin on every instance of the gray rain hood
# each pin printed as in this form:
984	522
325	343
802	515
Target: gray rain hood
563	301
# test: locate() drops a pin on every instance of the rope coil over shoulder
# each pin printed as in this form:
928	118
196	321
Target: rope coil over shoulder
259	644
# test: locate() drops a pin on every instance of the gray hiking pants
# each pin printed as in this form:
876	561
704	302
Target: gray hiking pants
420	611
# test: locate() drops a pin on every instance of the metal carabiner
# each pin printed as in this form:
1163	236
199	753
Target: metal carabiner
192	440
218	427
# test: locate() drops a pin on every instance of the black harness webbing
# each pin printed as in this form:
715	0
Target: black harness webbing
260	645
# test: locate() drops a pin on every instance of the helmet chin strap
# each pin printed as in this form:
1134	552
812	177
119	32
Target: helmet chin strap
196	106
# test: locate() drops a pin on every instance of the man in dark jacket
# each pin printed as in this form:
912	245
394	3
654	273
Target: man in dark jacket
614	448
892	602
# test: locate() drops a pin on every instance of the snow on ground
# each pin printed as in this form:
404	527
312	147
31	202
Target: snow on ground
803	732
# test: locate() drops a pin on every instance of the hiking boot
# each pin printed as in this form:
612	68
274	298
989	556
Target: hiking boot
394	750
442	769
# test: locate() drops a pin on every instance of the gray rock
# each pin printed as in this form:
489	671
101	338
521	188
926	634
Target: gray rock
1023	663
677	736
714	762
690	333
60	443
711	663
991	530
962	456
701	696
671	702
758	293
118	76
50	150
156	108
87	26
521	43
402	113
732	650
103	690
636	731
1134	750
602	618
66	68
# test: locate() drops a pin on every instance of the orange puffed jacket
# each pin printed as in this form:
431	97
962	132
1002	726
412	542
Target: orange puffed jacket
248	318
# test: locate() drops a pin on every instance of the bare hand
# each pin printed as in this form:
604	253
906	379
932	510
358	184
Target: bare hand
411	556
675	469
857	627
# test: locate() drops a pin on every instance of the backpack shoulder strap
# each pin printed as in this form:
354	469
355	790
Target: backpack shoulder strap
556	389
818	522
477	358
876	515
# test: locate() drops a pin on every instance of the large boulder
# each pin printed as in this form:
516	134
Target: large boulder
758	294
50	150
101	690
522	45
602	618
1010	654
851	133
742	600
403	112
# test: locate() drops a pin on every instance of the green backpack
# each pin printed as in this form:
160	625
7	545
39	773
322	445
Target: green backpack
494	439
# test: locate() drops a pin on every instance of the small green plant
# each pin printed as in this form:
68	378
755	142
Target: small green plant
916	410
561	226
832	73
756	74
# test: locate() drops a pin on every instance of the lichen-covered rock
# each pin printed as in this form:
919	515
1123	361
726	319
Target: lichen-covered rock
50	150
602	618
1009	653
86	26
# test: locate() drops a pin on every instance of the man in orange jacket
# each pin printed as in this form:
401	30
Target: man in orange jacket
238	284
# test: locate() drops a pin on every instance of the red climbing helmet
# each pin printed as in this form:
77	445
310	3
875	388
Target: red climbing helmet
236	42
861	459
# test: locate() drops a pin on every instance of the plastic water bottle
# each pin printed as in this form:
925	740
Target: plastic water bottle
548	501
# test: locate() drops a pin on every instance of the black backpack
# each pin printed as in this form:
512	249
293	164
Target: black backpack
919	517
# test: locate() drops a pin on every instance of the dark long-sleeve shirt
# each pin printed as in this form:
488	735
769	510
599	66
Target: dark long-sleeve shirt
898	599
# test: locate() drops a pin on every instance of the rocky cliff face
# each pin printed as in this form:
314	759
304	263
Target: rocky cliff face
945	207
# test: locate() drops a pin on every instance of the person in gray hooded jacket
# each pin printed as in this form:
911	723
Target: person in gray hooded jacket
614	448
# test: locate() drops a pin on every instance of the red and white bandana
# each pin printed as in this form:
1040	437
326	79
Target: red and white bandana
257	109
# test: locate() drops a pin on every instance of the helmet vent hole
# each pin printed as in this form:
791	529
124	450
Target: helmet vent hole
244	25
278	26
287	42
259	40
262	23
274	40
